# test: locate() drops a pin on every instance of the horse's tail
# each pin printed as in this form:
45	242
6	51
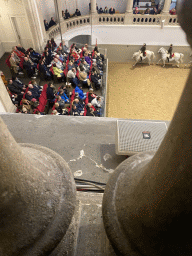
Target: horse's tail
181	57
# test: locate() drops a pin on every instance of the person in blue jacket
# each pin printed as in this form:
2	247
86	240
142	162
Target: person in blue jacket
63	96
82	95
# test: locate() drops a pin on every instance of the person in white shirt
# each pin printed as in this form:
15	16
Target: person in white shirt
96	102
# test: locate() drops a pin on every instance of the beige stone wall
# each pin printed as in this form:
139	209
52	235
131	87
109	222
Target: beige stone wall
124	53
6	104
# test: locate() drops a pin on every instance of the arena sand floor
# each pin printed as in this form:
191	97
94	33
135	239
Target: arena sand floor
144	92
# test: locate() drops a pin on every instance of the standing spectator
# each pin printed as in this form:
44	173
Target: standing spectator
111	10
136	11
105	10
46	24
172	11
52	22
50	95
63	15
153	11
54	45
100	11
77	13
147	11
67	14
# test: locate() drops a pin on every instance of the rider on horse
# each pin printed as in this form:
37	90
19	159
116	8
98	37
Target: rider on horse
170	51
143	49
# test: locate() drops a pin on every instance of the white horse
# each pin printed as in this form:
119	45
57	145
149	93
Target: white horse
178	57
138	55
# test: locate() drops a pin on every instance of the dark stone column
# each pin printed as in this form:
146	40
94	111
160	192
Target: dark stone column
147	205
37	197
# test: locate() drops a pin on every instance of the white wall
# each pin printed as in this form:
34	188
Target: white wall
131	35
8	37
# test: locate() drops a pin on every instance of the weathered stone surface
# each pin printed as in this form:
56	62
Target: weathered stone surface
37	197
147	204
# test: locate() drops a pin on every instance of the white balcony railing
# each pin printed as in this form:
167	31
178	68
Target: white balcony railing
115	19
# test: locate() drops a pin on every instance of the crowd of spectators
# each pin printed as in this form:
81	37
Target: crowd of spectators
75	67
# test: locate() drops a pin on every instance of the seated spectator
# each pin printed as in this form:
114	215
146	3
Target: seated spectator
15	64
44	70
54	45
85	65
17	52
18	83
91	112
87	58
153	11
100	11
54	112
50	94
14	88
58	63
147	11
83	79
89	107
65	48
61	102
26	107
36	86
105	10
67	14
35	56
96	51
85	49
77	12
63	96
95	79
31	60
97	70
46	24
30	68
35	92
82	95
79	105
91	95
58	72
111	10
136	11
96	102
172	11
30	96
75	111
65	90
71	64
21	49
52	22
71	74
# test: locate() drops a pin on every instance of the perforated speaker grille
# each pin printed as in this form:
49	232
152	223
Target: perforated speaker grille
138	136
